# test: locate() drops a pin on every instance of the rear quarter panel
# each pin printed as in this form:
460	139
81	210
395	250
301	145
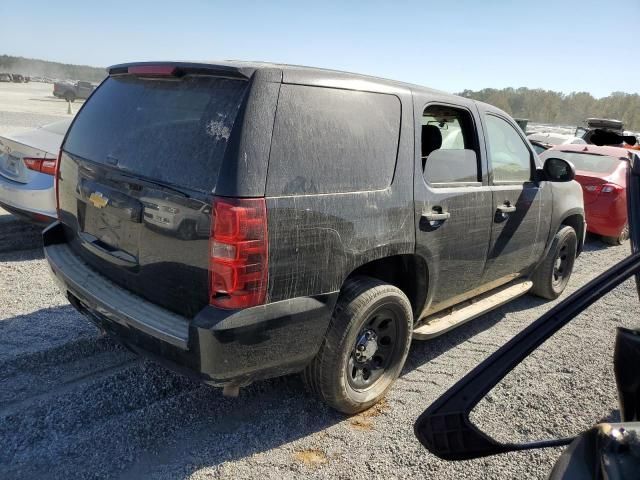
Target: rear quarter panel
317	240
567	201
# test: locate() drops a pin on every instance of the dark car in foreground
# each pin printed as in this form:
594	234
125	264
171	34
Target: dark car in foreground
601	171
338	223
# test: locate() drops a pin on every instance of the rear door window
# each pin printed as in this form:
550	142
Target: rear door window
327	140
171	130
449	147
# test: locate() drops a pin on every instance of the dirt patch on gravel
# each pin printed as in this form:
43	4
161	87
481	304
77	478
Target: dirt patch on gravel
311	458
364	420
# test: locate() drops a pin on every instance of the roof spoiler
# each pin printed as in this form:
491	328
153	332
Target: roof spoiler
179	69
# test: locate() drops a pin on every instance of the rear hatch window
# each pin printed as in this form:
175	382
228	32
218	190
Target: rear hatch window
136	175
172	130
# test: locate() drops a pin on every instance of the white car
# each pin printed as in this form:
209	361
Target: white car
27	165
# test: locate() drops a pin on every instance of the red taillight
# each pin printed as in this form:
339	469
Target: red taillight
603	188
238	253
42	165
611	188
153	70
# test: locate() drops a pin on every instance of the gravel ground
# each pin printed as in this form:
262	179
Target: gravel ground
75	405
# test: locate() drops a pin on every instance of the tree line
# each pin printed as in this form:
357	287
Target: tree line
547	106
43	68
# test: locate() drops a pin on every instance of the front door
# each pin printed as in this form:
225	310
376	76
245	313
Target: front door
516	240
453	201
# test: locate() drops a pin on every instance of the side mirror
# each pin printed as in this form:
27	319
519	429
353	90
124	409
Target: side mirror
558	170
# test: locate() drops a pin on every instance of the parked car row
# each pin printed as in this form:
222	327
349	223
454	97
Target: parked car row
240	221
14	77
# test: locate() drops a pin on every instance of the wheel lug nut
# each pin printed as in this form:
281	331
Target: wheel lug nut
361	348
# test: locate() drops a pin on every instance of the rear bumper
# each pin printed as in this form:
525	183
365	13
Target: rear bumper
36	197
220	347
608	219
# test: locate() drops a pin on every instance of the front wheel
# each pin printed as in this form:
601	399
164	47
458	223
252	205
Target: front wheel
552	275
365	347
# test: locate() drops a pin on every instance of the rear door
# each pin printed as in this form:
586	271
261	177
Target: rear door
136	175
453	201
516	237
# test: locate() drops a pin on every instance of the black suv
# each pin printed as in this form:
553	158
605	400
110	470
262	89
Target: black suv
239	221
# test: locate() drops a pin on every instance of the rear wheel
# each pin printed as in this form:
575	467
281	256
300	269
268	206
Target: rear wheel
69	97
552	275
365	348
620	239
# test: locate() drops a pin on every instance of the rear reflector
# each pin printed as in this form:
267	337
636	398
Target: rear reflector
238	253
42	165
153	70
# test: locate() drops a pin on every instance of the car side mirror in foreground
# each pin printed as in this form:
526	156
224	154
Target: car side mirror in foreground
558	170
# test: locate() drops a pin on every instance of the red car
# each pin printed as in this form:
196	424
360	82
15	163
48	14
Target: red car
602	173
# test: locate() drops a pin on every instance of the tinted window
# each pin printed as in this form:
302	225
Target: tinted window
509	156
449	146
538	148
329	140
175	131
588	162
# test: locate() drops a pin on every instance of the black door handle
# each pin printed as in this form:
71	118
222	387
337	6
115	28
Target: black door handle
506	208
436	216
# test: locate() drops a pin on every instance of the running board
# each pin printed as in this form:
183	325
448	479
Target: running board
441	322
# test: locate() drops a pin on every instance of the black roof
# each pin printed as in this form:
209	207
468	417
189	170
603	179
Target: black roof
294	74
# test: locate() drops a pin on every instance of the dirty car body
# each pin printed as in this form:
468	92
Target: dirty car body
296	182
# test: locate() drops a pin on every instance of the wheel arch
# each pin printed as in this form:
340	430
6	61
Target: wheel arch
576	221
408	272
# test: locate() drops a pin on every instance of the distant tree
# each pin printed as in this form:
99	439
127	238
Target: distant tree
547	106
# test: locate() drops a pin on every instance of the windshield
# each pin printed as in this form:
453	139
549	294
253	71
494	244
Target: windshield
174	131
588	162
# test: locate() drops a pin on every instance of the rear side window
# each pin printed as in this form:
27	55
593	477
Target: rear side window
329	141
174	131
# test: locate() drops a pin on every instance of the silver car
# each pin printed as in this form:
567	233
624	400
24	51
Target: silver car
27	167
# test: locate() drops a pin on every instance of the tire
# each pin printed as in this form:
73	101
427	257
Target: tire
620	239
370	331
552	275
69	97
187	230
